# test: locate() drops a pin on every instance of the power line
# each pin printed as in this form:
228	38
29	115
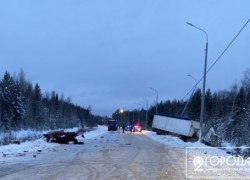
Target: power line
223	52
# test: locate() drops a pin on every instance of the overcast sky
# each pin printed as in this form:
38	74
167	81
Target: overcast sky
107	53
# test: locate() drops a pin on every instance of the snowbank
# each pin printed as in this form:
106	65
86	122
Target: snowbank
29	146
41	144
100	130
197	149
176	142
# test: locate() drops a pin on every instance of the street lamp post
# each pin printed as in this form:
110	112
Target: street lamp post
133	117
196	82
128	119
122	119
138	112
204	82
146	125
189	75
156	108
138	121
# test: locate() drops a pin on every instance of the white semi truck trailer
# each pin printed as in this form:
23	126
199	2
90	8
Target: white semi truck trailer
182	127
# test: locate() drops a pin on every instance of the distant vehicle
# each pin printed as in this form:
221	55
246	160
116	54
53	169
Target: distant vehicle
182	127
112	125
128	128
137	128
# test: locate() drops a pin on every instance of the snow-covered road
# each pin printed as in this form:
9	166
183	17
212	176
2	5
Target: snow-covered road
113	155
110	155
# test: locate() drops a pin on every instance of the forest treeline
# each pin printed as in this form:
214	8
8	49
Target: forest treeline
24	106
227	111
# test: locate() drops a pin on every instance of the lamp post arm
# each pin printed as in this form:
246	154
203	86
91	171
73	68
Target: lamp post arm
190	24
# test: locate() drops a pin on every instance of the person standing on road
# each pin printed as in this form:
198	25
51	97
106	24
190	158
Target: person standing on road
123	128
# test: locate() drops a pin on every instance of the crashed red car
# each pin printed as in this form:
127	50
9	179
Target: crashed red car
63	137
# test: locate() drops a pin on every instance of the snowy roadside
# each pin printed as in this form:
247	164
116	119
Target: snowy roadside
176	142
203	152
40	145
97	132
172	141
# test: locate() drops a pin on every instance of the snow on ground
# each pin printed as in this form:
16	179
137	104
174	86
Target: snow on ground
97	132
176	142
171	141
29	146
41	144
200	150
